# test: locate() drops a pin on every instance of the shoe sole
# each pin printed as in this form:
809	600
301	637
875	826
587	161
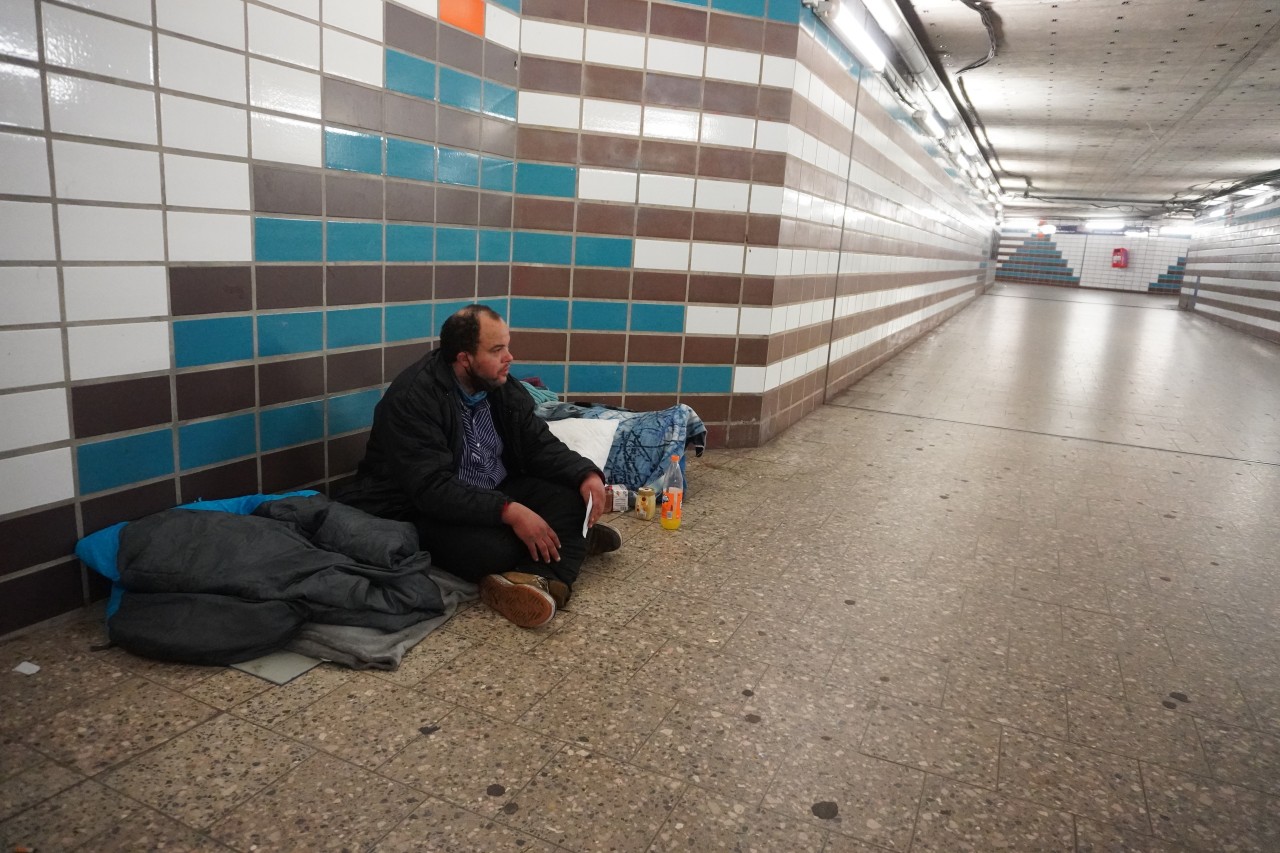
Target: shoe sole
603	540
521	604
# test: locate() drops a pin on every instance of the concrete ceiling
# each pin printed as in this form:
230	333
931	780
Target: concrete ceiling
1129	107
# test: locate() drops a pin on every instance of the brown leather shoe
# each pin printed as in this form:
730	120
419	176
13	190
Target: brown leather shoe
601	539
523	599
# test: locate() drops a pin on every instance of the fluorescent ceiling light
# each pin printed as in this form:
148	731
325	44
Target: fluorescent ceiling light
1134	232
1180	230
1049	229
1218	211
1104	224
935	126
1257	200
857	38
885	17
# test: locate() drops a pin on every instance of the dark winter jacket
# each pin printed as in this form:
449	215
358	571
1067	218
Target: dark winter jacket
416	446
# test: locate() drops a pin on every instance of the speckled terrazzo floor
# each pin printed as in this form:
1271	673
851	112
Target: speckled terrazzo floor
925	618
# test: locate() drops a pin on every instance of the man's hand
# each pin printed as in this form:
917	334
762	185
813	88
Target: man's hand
593	487
534	532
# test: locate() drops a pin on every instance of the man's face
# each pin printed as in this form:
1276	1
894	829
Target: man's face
489	366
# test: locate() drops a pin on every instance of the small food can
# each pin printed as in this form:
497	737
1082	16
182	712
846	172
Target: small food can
646	503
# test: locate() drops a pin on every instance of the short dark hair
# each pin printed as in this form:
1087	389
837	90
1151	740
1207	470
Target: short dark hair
461	332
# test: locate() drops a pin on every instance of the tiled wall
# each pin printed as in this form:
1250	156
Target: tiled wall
227	225
1084	260
1233	270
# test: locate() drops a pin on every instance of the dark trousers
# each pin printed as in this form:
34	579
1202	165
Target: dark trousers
473	552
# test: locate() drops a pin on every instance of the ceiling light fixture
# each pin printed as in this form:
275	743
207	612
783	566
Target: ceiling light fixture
857	39
1104	225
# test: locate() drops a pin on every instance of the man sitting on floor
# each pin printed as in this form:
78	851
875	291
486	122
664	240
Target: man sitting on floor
497	499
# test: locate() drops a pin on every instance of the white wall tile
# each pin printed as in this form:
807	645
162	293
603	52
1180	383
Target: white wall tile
18	29
30	357
766	199
728	130
24	165
36	479
610	117
722	195
736	65
753	320
198	126
748	379
209	237
305	8
117	349
89	108
353	58
286	140
89	43
661	255
28	231
540	108
671	190
202	182
664	123
23	103
706	320
115	293
110	233
106	173
606	48
283	37
717	257
430	8
762	260
362	17
220	21
607	185
34	417
500	26
287	90
133	10
543	38
674	57
771	135
202	70
29	295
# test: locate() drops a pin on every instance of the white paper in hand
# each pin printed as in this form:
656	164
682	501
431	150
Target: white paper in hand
586	521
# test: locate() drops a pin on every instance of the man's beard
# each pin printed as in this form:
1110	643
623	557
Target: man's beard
480	383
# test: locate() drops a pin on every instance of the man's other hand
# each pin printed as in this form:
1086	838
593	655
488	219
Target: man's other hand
593	487
534	532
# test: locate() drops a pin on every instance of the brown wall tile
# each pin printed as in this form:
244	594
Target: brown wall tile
352	105
708	350
763	230
203	393
409	283
673	91
127	505
353	285
733	31
292	468
457	128
543	213
746	407
289	287
668	157
409	31
396	359
598	346
619	84
455	281
711	407
412	202
496	210
651	286
664	222
501	65
719	227
602	218
753	351
407	116
209	290
540	281
651	402
654	349
117	406
539	346
278	190
44	594
617	152
457	206
716	289
295	379
498	136
732	163
601	284
353	196
550	75
38	537
780	39
678	22
618	14
553	145
225	481
734	98
346	452
757	291
356	369
461	50
493	280
774	104
769	168
559	10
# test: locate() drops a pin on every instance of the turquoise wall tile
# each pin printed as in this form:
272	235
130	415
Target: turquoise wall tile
755	8
652	378
410	75
212	341
513	5
352	411
287	239
600	316
499	100
495	246
697	379
283	334
787	11
460	90
602	251
539	314
693	2
290	425
354	241
407	322
552	375
545	179
455	244
497	174
353	327
595	378
352	152
650	317
498	303
533	247
444	309
414	160
210	442
458	167
410	243
117	461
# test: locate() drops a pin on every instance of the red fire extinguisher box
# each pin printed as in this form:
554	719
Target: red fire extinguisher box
1119	258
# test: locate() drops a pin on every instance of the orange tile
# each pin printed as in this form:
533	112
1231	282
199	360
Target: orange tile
464	14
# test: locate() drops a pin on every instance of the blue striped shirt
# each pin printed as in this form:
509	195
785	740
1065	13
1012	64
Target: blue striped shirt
482	454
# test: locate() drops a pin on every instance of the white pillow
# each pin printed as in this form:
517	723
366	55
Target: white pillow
588	436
